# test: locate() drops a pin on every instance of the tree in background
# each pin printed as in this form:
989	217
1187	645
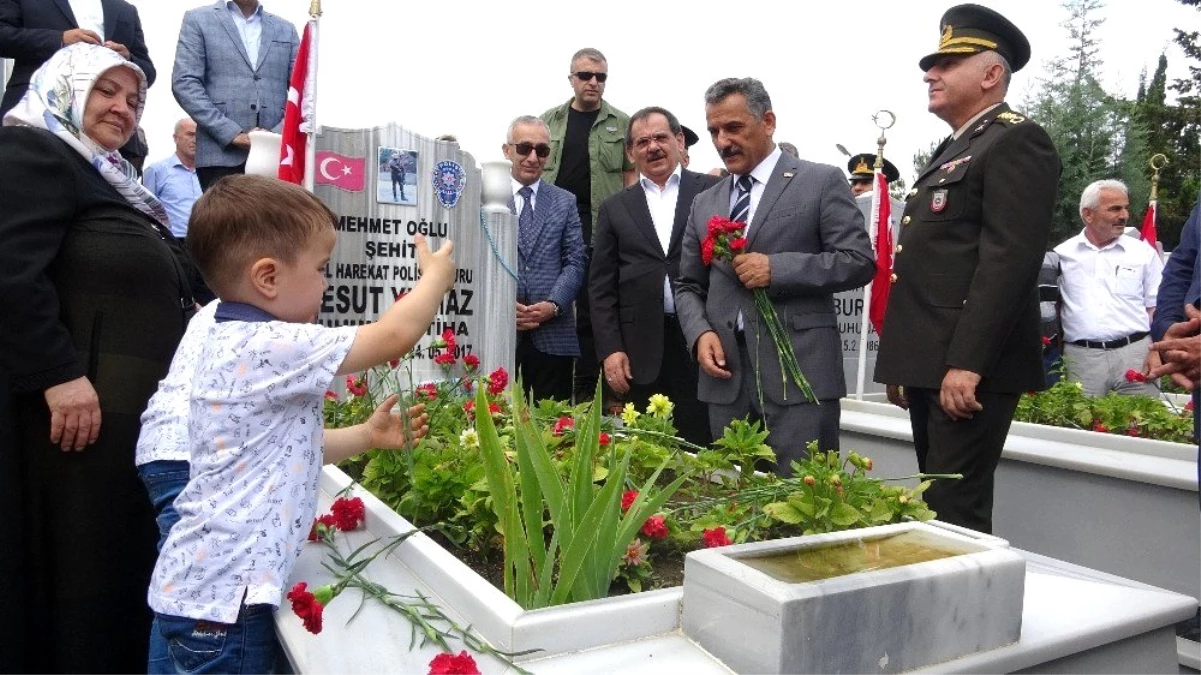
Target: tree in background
1180	181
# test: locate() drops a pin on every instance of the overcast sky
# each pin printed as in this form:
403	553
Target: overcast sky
468	68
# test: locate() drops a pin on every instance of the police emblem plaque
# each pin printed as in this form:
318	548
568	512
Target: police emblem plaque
449	181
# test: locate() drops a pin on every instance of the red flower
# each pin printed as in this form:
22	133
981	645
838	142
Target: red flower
493	409
497	381
357	386
330	396
738	245
655	527
1188	406
327	521
1133	375
627	499
1100	427
394	364
471	362
1132	431
707	251
563	424
449	664
469	408
604	439
448	336
715	537
306	607
348	513
445	359
428	391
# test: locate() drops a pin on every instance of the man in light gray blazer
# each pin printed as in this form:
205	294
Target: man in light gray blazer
232	66
806	240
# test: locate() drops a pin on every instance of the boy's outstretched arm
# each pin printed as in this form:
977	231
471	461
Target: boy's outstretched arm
381	430
395	333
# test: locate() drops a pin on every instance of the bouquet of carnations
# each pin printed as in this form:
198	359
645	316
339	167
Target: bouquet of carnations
726	239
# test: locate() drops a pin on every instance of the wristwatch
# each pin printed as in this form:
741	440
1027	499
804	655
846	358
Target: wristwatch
558	310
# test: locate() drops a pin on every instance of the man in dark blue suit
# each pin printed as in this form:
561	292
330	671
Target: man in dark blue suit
1177	323
32	30
550	251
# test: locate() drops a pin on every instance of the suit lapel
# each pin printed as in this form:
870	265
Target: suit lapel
64	6
227	22
266	39
771	192
634	199
111	11
689	189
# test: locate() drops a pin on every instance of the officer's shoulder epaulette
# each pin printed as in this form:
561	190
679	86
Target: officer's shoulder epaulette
1010	118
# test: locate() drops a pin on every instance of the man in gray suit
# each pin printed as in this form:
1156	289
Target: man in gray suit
805	241
232	66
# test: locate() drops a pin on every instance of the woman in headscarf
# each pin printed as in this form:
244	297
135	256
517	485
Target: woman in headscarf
95	294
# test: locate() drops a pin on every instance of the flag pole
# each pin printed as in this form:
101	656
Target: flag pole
871	230
310	98
1147	232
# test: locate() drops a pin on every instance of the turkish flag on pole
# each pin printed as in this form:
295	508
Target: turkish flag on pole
882	210
1148	233
292	146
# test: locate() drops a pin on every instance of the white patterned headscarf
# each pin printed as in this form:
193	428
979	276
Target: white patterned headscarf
58	93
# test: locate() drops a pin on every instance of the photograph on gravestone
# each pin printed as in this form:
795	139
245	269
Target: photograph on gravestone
374	260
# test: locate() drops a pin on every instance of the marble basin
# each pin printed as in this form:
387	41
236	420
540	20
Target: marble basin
832	603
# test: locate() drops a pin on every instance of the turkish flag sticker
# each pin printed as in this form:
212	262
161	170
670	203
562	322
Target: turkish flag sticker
340	171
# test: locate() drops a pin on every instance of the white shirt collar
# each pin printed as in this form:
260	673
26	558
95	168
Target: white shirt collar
648	184
517	186
762	173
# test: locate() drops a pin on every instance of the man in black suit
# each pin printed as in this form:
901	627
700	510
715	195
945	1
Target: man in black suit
961	334
635	261
32	30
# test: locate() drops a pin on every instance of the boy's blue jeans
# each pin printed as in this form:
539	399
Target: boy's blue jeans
183	645
164	480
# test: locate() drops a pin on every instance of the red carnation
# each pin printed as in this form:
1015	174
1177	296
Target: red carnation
738	245
394	364
306	606
604	439
1133	375
1046	341
327	522
428	391
1132	431
493	409
448	336
450	664
707	251
330	396
348	513
471	362
357	386
497	381
1100	427
1188	406
627	499
715	537
563	424
655	527
445	359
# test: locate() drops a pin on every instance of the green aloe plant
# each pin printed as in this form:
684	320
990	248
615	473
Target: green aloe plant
588	533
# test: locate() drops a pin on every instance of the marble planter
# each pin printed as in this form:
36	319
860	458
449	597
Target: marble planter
883	620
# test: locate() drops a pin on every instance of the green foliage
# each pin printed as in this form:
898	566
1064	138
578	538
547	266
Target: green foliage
731	461
1066	405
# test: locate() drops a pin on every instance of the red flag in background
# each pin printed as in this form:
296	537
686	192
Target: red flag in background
291	149
340	171
1148	233
882	209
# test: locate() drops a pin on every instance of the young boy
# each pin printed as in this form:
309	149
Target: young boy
254	419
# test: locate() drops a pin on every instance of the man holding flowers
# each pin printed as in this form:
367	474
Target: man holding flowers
804	240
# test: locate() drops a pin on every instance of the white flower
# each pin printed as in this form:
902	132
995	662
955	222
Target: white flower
469	438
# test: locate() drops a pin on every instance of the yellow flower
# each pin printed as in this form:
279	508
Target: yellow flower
630	414
660	406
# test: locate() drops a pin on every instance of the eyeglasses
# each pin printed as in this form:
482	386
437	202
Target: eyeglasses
523	149
586	76
661	138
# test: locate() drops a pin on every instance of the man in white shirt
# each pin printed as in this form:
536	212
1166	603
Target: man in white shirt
1108	285
635	260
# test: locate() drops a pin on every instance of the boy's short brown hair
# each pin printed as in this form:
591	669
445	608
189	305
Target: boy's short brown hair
241	219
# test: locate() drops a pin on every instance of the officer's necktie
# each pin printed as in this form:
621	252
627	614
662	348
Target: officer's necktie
742	205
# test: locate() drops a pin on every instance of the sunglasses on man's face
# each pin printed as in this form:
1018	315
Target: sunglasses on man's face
523	149
586	76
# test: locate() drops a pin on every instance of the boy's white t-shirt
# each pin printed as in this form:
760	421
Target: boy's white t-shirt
164	434
256	430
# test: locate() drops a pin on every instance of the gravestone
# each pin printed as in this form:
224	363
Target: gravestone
386	185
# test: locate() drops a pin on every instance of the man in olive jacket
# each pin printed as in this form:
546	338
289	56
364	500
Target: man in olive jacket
961	333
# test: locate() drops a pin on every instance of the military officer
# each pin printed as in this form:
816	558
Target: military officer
961	336
861	168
